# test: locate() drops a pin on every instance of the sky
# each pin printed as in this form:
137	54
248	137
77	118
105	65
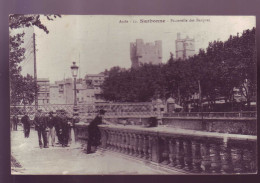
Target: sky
99	42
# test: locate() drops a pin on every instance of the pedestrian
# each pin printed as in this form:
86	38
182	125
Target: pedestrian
11	123
94	134
47	129
40	127
15	122
74	120
51	124
26	125
64	130
57	126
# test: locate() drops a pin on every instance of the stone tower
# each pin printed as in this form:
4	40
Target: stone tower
185	48
141	53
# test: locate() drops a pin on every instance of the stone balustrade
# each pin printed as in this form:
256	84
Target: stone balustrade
179	149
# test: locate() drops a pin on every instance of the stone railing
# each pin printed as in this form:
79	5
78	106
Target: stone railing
212	115
178	149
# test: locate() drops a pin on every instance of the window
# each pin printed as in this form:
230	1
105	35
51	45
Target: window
77	91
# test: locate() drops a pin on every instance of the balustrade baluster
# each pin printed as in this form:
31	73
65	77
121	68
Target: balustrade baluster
114	141
187	155
127	143
196	157
118	141
165	153
179	153
108	139
123	142
215	158
205	154
249	157
131	146
145	147
226	163
140	146
136	145
172	152
237	159
150	145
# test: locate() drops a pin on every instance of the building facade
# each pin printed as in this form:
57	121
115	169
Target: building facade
141	53
185	48
94	82
44	91
88	90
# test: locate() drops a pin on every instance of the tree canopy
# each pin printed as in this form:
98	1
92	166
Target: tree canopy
220	68
22	88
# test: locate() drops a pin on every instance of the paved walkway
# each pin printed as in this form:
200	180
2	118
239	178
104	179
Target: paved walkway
70	160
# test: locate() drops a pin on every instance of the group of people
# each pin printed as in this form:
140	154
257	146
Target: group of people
48	125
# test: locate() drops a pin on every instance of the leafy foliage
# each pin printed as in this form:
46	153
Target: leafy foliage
219	68
22	89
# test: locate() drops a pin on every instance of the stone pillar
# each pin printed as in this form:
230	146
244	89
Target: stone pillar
237	159
172	152
187	155
196	157
179	153
118	138
127	143
135	145
140	146
114	140
131	146
226	163
150	146
103	138
205	154
215	158
250	158
109	139
165	152
145	147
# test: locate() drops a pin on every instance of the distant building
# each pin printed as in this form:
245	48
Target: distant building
44	91
88	90
141	52
94	81
185	48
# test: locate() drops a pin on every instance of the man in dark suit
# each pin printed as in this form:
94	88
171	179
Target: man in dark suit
15	122
26	125
94	134
41	125
64	130
51	125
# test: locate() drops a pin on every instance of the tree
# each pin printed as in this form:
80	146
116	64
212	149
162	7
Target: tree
22	88
219	69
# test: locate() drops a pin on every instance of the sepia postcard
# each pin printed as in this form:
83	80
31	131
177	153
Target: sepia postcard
132	95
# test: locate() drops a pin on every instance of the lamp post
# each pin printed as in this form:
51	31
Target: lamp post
74	70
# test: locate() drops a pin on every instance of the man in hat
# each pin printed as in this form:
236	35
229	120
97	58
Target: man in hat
41	125
64	130
26	125
94	134
51	124
15	122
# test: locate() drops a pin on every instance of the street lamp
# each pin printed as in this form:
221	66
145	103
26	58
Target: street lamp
74	70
